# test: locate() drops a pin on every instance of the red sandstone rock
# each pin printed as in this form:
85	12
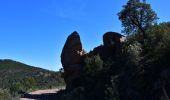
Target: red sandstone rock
71	57
112	38
71	51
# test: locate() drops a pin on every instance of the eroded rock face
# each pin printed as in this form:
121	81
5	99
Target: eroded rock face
112	42
72	55
71	58
71	51
111	39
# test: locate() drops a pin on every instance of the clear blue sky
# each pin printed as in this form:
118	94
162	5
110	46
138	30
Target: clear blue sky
34	31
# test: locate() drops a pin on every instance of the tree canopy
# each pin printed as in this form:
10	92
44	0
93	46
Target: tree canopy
136	16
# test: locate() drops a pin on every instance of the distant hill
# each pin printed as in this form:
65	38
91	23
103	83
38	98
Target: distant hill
16	77
6	64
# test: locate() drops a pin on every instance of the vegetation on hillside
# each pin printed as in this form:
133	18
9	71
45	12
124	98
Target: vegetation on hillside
17	78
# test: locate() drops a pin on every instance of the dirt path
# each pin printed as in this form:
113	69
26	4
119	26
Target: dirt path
42	94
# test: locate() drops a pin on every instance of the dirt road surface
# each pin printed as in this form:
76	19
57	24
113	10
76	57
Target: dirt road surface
41	94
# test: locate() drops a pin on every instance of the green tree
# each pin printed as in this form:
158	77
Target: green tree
136	17
157	44
29	83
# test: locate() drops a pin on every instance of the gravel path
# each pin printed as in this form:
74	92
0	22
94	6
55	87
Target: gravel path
41	94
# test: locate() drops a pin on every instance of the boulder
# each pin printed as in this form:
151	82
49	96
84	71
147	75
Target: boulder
71	58
110	39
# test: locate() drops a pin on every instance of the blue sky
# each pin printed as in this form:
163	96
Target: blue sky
34	31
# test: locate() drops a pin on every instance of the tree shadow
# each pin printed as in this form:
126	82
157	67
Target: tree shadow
45	96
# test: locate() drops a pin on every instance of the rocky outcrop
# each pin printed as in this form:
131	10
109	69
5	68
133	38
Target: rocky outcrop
73	54
134	82
71	58
111	44
110	39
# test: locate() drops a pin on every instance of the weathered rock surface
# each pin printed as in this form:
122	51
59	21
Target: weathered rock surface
71	58
112	38
71	51
73	54
111	44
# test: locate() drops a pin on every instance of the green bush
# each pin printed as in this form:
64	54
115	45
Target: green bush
132	52
93	65
111	91
158	40
5	95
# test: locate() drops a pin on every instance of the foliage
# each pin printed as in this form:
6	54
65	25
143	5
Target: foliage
111	92
137	17
4	94
132	52
16	78
91	72
158	41
93	65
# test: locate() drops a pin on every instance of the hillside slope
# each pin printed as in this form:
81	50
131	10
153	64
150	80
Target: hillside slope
16	77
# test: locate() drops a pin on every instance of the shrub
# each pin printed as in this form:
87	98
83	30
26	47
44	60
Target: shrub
111	92
5	95
93	65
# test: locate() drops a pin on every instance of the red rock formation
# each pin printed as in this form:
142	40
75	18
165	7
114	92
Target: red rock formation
111	43
71	58
72	55
112	38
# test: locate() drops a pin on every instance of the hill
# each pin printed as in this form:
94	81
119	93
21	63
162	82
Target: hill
17	77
